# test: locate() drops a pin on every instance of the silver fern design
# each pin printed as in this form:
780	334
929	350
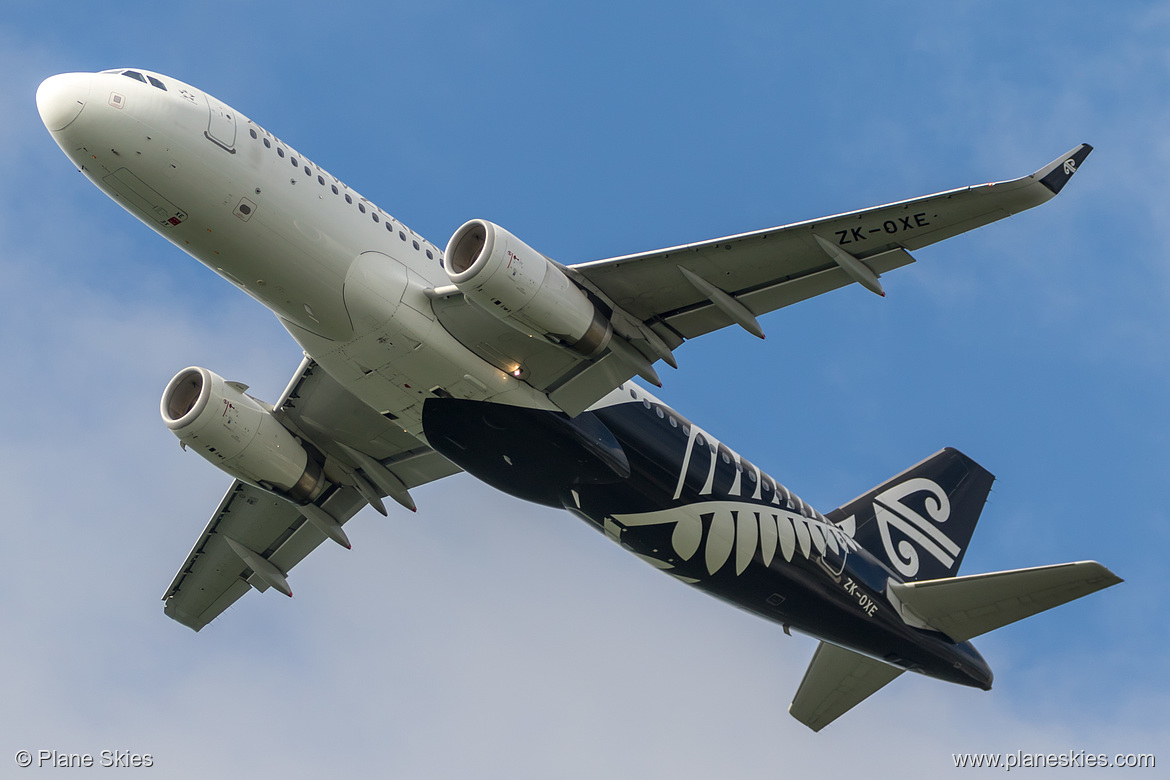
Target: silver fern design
735	531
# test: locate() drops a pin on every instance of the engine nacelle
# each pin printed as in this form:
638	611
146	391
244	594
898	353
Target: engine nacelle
239	435
511	280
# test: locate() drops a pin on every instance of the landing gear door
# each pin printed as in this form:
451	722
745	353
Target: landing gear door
221	126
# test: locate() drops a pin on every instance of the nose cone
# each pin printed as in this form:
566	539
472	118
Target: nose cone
60	99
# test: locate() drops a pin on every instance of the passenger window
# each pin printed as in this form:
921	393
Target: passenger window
415	244
267	144
252	133
279	152
362	208
348	199
310	173
321	180
374	214
429	255
334	188
401	235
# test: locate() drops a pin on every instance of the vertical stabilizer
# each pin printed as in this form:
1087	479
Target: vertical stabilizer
920	522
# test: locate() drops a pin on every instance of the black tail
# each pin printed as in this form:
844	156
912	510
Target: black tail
920	522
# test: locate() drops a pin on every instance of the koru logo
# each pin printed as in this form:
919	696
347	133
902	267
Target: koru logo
1070	166
921	533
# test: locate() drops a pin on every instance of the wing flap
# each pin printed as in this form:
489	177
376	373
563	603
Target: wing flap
837	680
215	576
704	318
966	607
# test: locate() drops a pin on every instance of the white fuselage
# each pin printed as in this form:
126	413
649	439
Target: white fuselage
346	279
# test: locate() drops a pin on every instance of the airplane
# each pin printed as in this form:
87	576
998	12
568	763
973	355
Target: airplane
488	357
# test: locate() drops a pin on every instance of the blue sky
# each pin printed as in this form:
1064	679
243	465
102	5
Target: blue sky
488	638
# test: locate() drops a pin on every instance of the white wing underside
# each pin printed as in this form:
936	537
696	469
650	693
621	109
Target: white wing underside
325	414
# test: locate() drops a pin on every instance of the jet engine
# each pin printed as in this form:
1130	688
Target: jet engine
239	434
504	276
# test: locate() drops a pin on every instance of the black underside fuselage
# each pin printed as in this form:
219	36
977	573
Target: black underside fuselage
682	501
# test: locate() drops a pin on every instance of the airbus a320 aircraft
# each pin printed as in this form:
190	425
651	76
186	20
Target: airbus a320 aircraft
491	358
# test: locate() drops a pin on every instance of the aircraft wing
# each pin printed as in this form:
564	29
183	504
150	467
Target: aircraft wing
254	538
768	269
660	299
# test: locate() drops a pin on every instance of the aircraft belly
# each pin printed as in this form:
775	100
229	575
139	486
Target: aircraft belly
601	467
533	454
616	468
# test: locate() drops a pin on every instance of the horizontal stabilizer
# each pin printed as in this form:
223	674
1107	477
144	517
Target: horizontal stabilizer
837	680
965	607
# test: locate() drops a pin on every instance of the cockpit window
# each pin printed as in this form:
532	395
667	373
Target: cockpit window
144	79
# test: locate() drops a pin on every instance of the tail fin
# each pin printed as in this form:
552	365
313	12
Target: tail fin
920	522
